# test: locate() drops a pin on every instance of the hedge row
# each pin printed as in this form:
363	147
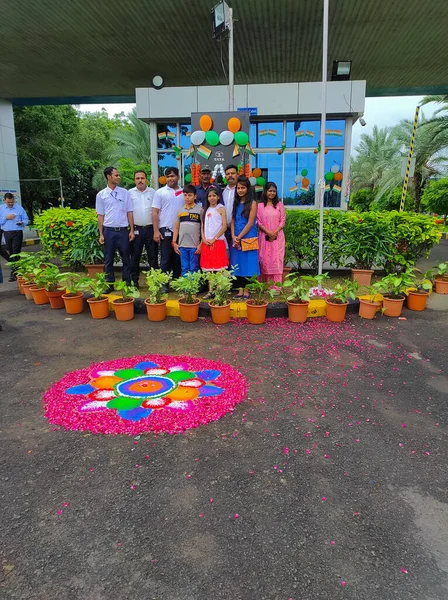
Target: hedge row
388	240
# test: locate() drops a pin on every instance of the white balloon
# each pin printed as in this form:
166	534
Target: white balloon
253	180
197	137
298	179
226	137
335	169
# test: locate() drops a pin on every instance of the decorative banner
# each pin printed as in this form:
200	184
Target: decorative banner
226	137
204	152
309	133
234	124
145	393
170	135
300	133
262	132
212	138
197	137
205	123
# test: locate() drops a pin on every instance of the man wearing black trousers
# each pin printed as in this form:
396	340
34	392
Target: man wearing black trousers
13	219
167	203
116	225
142	197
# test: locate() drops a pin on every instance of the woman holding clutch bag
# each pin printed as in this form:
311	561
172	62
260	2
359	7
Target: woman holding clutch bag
244	250
271	218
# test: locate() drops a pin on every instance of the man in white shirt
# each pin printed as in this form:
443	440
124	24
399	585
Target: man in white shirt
142	197
228	196
115	224
167	203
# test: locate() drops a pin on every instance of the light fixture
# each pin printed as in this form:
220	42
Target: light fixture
158	82
219	18
341	70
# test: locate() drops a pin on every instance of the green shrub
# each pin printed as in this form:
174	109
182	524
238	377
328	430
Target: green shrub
62	230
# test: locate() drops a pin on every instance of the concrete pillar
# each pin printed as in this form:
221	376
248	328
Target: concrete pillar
9	169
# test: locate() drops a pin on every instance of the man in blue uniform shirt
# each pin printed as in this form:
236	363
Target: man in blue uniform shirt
115	224
13	219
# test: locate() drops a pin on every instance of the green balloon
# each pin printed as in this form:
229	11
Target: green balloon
261	181
304	172
212	138
329	176
188	178
241	138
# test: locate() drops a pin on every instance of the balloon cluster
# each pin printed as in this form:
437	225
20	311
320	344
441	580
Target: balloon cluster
213	138
302	180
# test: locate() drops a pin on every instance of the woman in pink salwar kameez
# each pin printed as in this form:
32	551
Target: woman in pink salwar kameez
271	218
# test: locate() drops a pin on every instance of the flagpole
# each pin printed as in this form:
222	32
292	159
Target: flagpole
321	155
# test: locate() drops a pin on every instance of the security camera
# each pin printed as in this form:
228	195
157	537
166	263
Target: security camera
362	122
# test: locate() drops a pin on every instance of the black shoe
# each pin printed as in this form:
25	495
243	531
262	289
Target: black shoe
136	284
109	290
12	278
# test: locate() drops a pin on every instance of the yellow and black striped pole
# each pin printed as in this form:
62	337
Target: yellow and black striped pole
408	166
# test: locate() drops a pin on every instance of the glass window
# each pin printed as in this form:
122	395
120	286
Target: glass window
334	162
302	134
266	135
335	133
186	163
166	159
166	135
185	131
271	168
300	178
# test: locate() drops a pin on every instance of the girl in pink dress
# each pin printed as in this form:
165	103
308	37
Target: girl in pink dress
271	218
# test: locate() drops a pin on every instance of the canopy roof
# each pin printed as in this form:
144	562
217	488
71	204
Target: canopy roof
102	50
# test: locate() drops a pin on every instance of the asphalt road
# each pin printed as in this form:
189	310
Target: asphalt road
335	465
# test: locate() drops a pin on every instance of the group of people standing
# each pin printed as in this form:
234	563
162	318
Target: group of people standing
206	228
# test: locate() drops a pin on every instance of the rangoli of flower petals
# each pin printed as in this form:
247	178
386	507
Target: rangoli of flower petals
145	393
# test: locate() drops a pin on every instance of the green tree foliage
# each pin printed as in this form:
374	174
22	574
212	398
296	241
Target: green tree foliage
435	197
361	200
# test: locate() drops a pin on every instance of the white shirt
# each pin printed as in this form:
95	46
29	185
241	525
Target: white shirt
142	205
169	202
114	204
228	196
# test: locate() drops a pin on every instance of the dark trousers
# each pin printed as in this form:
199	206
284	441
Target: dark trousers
13	240
169	260
3	250
143	239
113	241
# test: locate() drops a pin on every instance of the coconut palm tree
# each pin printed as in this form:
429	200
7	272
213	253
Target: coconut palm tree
373	157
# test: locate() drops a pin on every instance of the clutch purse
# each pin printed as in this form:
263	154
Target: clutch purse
249	244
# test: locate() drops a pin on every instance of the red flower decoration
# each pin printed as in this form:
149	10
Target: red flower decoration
69	223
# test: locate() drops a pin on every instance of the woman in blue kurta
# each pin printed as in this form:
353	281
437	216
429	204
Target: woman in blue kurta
244	227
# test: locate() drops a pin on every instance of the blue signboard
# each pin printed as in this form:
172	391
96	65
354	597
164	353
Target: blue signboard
252	110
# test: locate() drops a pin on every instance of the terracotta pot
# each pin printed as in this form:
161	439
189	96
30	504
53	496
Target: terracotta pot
336	312
441	286
92	270
189	312
362	276
99	309
368	309
20	282
74	304
392	306
124	311
27	290
39	295
55	298
297	312
156	312
417	301
220	314
286	271
256	313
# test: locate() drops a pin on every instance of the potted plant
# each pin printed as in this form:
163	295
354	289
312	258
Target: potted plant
296	291
156	280
337	303
220	285
257	305
421	287
51	280
22	265
99	304
89	251
370	244
75	285
188	289
441	280
393	287
368	307
38	290
124	306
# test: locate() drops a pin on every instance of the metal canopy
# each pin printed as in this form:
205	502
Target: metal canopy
84	49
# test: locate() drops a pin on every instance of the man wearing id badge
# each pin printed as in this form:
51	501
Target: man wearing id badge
167	203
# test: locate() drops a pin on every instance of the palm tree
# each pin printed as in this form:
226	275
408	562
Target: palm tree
374	155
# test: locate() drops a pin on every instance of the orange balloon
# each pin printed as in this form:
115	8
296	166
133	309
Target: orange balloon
338	176
256	172
234	124
305	182
162	180
205	123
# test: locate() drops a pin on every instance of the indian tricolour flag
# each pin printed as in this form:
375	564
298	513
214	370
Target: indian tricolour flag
170	135
293	189
300	133
309	133
161	135
204	152
337	188
263	132
272	132
337	132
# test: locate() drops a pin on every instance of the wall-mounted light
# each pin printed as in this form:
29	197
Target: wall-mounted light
158	82
341	70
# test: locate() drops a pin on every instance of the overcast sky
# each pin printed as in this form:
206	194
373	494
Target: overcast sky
379	111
